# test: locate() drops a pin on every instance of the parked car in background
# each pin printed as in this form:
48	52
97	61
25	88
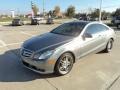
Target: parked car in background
50	21
118	25
17	22
36	20
85	18
58	50
116	21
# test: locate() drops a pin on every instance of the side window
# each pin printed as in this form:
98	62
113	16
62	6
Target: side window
92	29
96	28
101	27
104	28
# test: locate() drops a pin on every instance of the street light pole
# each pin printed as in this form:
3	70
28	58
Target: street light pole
43	8
100	12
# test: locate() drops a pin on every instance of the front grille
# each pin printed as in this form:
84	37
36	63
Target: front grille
26	53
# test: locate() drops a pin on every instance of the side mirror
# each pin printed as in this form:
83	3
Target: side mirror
87	35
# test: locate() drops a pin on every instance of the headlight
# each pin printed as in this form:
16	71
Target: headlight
44	55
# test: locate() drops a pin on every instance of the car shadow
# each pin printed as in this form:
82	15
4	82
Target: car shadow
12	70
8	25
101	52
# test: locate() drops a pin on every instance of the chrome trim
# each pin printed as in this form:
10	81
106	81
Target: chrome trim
26	52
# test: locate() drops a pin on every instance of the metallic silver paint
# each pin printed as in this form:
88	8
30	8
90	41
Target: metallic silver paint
78	46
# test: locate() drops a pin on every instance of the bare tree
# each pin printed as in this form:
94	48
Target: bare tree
70	11
56	10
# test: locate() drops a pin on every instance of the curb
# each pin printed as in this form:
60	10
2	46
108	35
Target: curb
111	82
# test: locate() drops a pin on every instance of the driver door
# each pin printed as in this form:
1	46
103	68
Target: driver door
90	44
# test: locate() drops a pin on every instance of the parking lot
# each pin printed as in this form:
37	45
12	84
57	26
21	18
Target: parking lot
99	71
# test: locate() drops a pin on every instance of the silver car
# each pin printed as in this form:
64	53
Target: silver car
59	49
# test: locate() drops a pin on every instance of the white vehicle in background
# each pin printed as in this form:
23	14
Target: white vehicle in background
36	20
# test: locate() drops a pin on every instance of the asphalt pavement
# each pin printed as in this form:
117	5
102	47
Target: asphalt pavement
99	71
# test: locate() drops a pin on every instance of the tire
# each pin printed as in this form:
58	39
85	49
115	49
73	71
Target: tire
109	46
118	26
64	64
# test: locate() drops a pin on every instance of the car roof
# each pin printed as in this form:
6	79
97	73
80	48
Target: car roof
17	19
80	22
85	22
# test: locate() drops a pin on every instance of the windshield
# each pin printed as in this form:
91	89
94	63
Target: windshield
69	29
16	19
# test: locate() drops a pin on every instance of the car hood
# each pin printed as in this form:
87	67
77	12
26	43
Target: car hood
46	41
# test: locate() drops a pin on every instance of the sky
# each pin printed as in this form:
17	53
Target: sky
24	6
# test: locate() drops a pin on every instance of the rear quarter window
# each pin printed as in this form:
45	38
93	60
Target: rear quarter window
96	28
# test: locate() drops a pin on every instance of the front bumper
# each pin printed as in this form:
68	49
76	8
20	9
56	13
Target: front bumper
42	67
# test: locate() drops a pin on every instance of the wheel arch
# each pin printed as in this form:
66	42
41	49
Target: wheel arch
71	54
68	52
112	38
64	53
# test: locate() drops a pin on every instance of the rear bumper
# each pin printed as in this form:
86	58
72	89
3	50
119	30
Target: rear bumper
16	24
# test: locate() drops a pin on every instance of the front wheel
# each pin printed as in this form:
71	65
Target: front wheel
109	46
64	64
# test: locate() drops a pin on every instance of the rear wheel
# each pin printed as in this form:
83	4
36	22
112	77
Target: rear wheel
109	46
64	64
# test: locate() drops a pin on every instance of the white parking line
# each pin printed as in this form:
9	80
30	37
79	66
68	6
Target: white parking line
109	83
102	76
14	43
26	33
10	44
3	43
118	36
2	46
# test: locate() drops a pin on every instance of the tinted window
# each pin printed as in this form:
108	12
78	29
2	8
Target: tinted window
118	18
70	29
16	19
96	28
